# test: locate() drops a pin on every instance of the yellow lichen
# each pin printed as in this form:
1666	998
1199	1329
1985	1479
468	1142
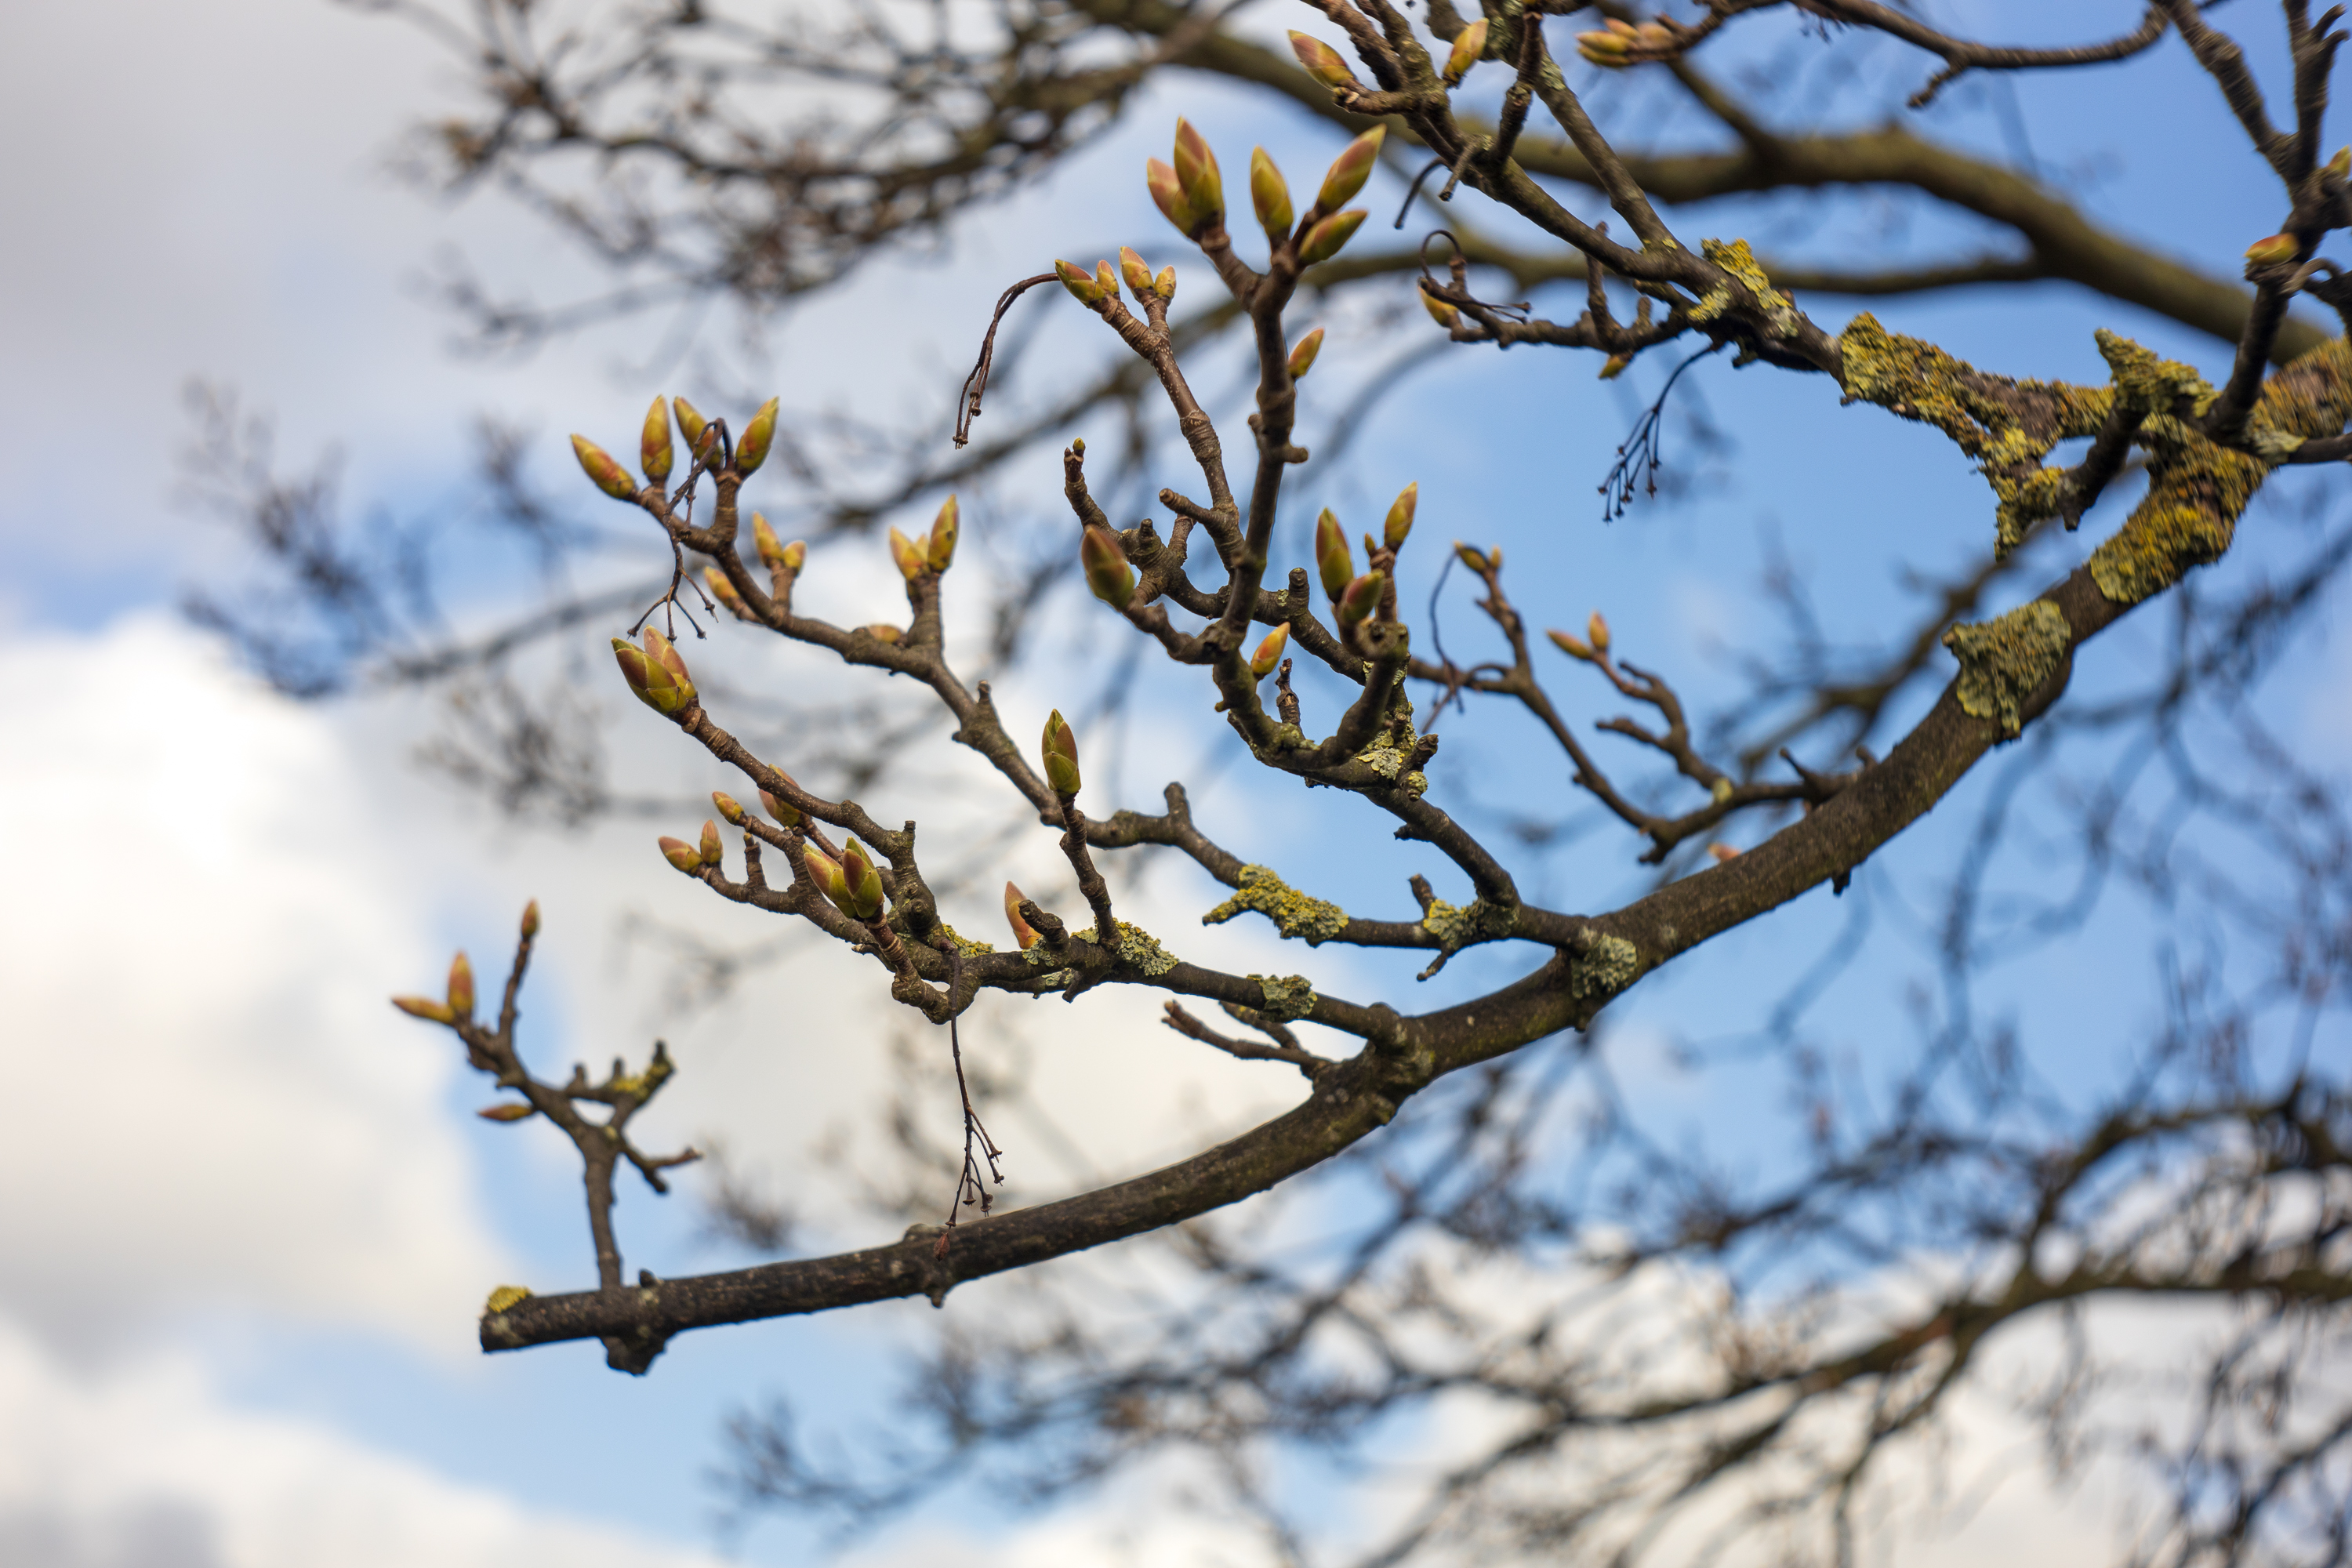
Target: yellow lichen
1605	969
1455	928
1136	947
1741	263
2003	661
1293	913
504	1297
968	947
1287	997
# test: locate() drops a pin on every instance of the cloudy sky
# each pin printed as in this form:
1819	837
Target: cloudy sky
251	1216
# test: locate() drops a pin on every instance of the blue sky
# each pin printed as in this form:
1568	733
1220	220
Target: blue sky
239	1329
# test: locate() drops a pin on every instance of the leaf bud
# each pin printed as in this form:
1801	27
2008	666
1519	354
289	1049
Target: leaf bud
1168	194
758	436
728	807
795	553
1613	366
939	550
1165	284
426	1008
861	883
1572	646
690	424
1138	274
1021	932
653	447
1270	195
1059	750
1597	631
1325	239
680	853
1349	170
461	985
724	591
1472	557
1303	352
1079	281
1331	557
2340	167
1400	510
530	919
913	562
1269	652
1469	44
1197	176
764	539
710	848
607	474
508	1110
826	872
1605	48
2267	252
668	685
1444	314
883	631
1322	61
1105	563
1107	279
1360	598
1722	852
784	811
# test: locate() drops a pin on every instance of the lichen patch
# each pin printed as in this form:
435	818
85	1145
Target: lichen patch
1294	913
2003	661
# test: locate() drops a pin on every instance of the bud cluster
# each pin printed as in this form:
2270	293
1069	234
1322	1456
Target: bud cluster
936	551
657	455
1623	44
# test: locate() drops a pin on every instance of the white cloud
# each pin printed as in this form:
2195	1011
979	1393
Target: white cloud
215	1103
141	1467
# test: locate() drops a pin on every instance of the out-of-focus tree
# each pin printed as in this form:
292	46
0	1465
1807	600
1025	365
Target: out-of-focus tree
1662	1359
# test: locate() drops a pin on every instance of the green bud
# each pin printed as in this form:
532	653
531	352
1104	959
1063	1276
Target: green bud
1572	646
1469	44
607	474
1165	284
758	436
826	872
1104	560
724	591
1196	174
530	919
1322	61
680	853
1269	652
1361	597
1400	522
1349	170
653	447
728	807
1079	281
1303	352
1597	630
763	537
1331	557
426	1008
1168	194
509	1110
710	849
912	563
862	884
1060	752
1138	274
1270	195
939	550
1325	239
690	424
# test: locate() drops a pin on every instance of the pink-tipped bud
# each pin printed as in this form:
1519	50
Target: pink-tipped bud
1021	933
1079	283
939	548
530	919
1360	598
508	1110
728	807
1137	272
1165	284
1270	195
1107	279
1722	852
724	591
1322	61
1105	563
1303	352
426	1008
759	436
1349	170
1197	176
826	872
795	553
1596	631
655	447
1168	195
1059	750
1324	240
461	986
680	853
1400	510
1572	646
1444	314
607	474
1331	557
690	424
668	685
763	538
2268	252
1469	44
655	684
1269	652
784	811
861	883
911	560
709	848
